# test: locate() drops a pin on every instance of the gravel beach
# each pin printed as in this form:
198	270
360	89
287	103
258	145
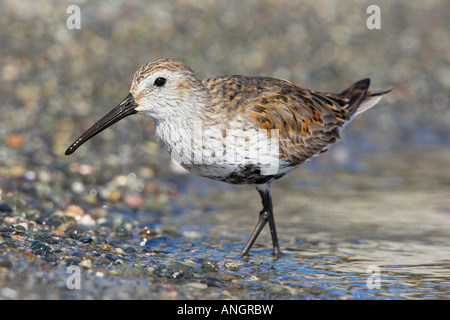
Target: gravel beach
119	220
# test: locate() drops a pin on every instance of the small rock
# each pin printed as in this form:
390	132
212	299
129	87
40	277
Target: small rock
165	271
209	265
130	250
114	195
23	226
5	208
233	264
134	200
15	140
100	273
40	248
86	240
111	257
10	220
197	285
104	247
6	229
74	211
252	278
118	251
173	269
87	220
52	240
76	233
87	263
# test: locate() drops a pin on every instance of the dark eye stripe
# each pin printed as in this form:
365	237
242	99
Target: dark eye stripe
159	82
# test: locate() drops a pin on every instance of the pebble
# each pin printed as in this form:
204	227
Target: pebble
111	257
15	140
252	278
52	240
134	200
74	211
197	285
4	207
130	250
87	220
173	269
87	263
6	229
40	248
77	232
104	247
114	195
86	240
22	226
233	264
163	270
119	251
209	265
100	273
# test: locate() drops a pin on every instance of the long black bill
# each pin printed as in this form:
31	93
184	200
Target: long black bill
123	109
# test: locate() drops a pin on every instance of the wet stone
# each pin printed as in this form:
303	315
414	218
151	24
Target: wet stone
130	250
73	261
86	263
174	270
41	221
86	240
5	230
79	254
41	236
168	272
209	265
111	257
233	264
76	233
52	240
20	228
197	285
4	207
118	250
40	248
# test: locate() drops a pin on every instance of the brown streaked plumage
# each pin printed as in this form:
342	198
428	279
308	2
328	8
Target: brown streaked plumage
238	129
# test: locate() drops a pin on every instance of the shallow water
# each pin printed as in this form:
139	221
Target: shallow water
338	237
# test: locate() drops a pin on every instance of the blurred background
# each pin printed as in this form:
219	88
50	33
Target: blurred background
55	82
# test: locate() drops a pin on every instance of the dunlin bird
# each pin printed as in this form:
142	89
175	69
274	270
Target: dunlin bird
237	129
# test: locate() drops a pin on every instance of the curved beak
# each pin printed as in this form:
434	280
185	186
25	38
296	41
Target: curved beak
124	109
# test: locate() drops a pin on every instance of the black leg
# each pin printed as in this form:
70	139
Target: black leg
262	220
266	215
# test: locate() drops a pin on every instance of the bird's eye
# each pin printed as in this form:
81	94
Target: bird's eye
159	82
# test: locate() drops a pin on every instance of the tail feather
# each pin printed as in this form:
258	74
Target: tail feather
360	99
